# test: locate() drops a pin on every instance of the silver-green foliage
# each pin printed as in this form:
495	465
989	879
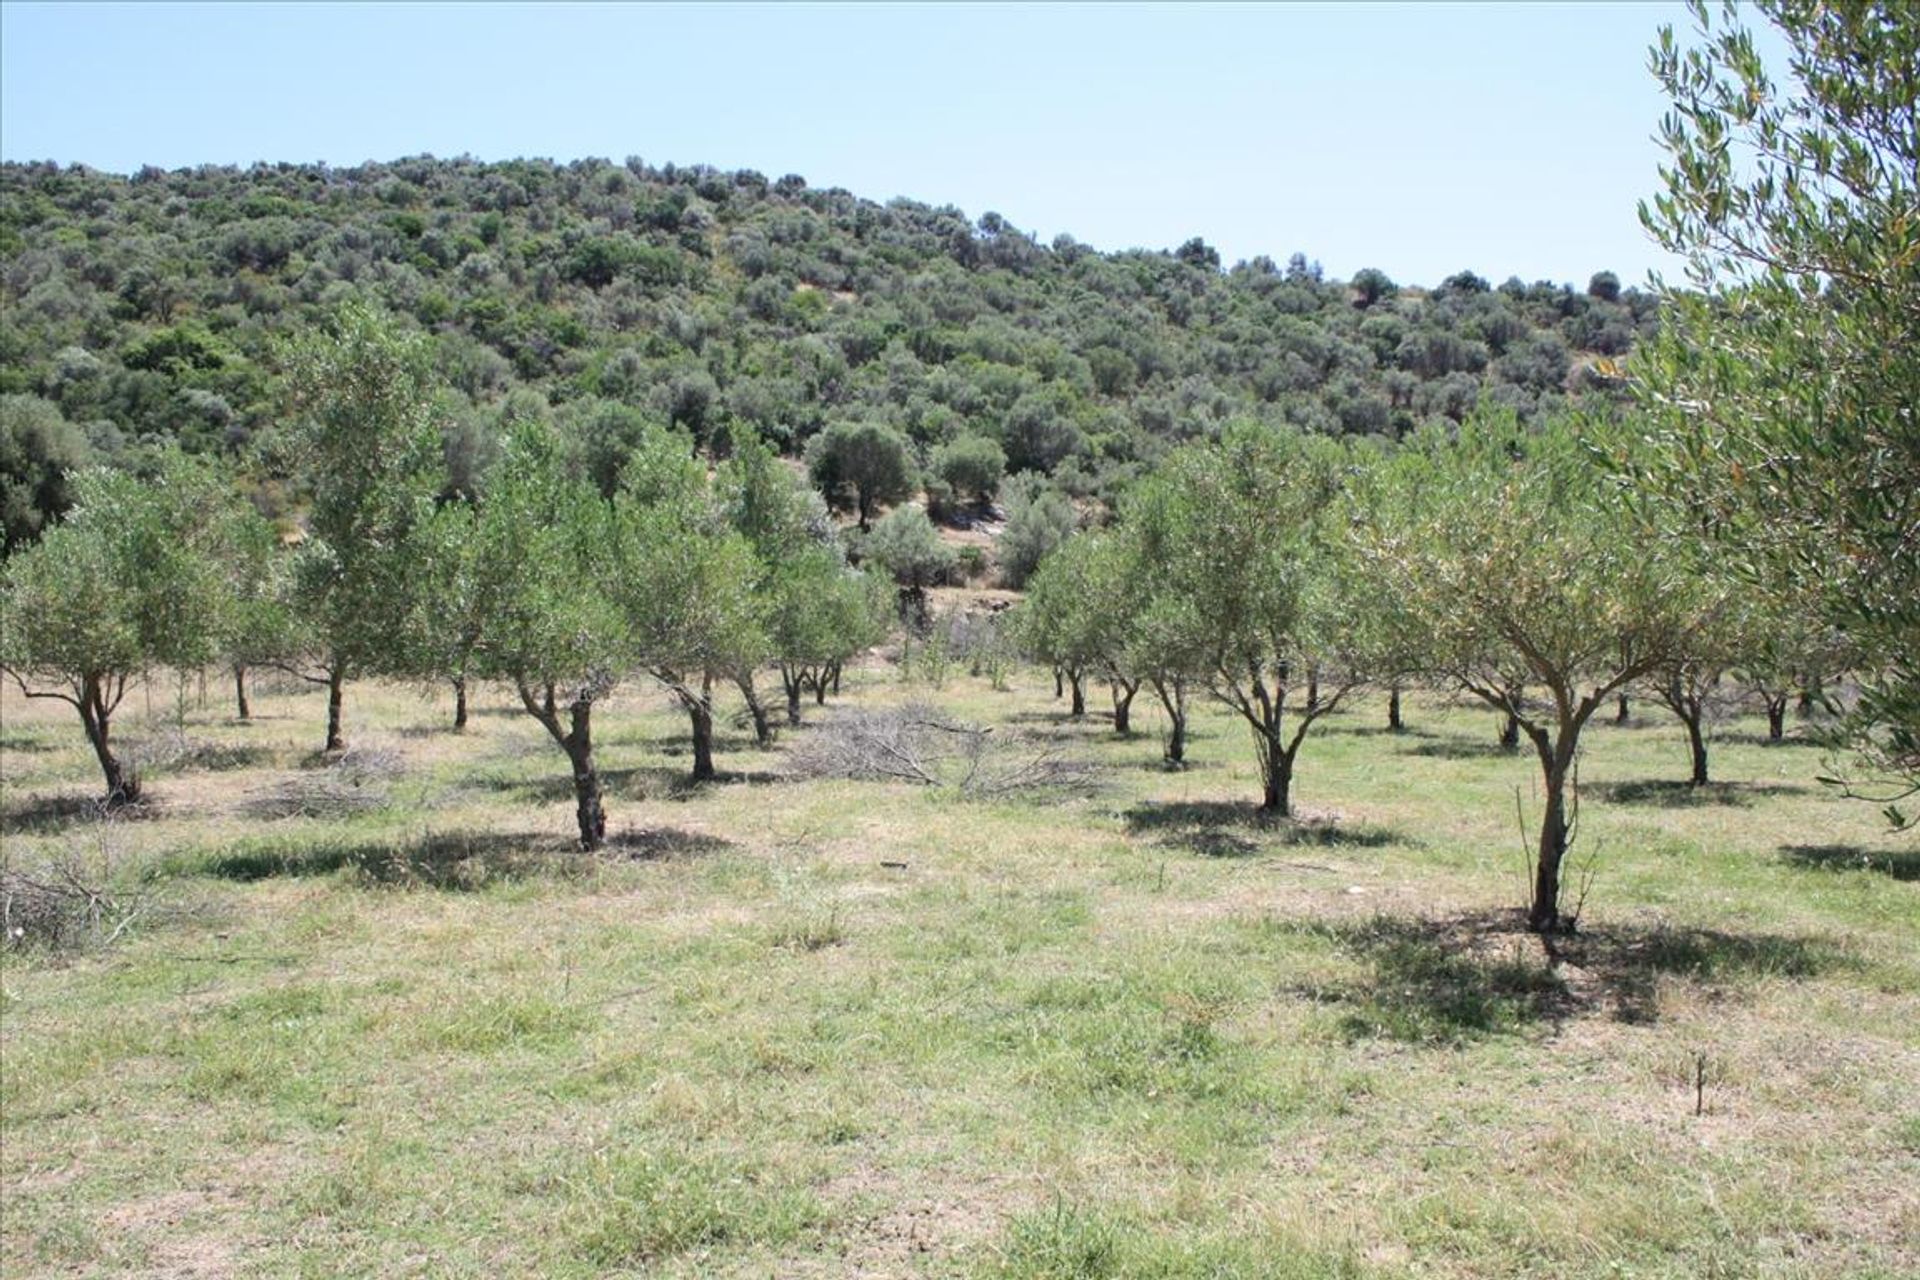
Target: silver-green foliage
135	577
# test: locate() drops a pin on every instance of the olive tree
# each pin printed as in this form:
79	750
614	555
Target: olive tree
1039	518
134	577
40	453
1241	530
971	466
796	551
364	394
686	583
1511	551
1695	683
544	574
262	629
1786	384
1790	651
445	621
861	465
908	548
1074	620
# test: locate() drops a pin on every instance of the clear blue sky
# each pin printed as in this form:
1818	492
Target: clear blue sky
1512	139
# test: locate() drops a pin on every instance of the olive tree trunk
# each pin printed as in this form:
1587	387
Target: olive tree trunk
336	679
791	681
96	706
700	719
1123	692
1173	696
576	739
762	726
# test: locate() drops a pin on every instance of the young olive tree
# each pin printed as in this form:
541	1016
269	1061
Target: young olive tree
1074	619
907	546
545	572
364	393
1511	551
1696	682
1786	384
445	622
261	627
134	577
817	611
797	554
1039	519
1789	652
1240	528
686	583
1162	643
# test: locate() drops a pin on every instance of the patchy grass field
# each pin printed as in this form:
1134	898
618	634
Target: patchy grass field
825	1028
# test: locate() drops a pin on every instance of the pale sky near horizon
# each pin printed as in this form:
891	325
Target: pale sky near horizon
1422	139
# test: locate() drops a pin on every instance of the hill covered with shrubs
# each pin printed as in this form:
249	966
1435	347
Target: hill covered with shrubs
149	308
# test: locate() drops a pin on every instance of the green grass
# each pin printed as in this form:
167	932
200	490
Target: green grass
822	1028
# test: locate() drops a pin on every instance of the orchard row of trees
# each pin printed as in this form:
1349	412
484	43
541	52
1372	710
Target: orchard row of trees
1280	573
1759	515
689	575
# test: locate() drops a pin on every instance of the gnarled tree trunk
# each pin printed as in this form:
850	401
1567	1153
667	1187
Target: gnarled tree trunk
96	706
1556	752
762	729
1394	723
588	810
459	702
241	708
576	739
1123	692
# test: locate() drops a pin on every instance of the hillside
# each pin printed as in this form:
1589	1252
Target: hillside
147	307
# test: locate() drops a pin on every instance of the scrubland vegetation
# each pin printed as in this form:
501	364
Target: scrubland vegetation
646	721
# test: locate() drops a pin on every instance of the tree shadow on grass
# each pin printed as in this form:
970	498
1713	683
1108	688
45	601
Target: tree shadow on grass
213	757
458	861
1666	793
15	744
1412	733
453	861
1897	865
1218	829
1462	749
553	788
667	844
51	815
1465	977
641	782
1745	738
